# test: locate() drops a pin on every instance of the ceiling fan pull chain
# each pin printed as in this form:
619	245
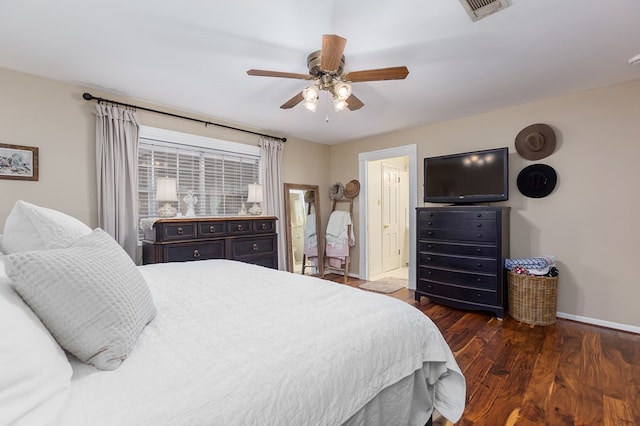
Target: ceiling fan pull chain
327	118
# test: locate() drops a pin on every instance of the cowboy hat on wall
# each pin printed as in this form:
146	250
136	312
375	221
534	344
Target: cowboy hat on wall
537	180
536	142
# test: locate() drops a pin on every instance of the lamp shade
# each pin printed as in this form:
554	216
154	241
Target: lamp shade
255	193
166	189
342	90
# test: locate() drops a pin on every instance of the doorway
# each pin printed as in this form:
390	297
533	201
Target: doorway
388	188
387	212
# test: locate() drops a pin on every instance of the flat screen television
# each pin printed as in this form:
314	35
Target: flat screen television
467	177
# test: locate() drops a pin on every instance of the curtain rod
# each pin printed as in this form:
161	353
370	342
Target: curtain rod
90	97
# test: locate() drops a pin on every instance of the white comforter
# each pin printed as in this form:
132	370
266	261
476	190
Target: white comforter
238	344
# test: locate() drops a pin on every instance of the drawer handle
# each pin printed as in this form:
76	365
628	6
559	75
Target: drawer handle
263	226
429	258
429	272
240	227
430	223
255	247
479	250
479	215
479	225
479	295
196	253
480	236
479	265
212	229
180	231
429	245
430	214
479	280
429	233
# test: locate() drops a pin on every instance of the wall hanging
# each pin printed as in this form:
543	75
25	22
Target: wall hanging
536	141
537	180
18	162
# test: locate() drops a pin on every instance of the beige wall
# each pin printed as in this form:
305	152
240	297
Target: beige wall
588	222
53	117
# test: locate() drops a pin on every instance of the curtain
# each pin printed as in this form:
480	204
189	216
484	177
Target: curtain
272	189
117	171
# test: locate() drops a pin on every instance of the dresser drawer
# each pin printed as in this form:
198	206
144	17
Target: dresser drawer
469	279
465	294
462	235
266	225
240	227
178	231
451	214
458	248
212	229
472	224
243	248
196	251
471	264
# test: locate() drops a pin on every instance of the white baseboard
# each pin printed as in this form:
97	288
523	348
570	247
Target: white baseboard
578	318
601	323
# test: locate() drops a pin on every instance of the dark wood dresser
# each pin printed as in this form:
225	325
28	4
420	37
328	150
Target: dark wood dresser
251	239
461	253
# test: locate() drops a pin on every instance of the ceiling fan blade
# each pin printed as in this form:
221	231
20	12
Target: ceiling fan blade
393	73
353	103
265	73
332	50
293	101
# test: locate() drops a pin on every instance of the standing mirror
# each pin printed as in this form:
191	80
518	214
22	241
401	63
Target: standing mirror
304	242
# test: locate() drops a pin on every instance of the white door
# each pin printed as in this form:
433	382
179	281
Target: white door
390	218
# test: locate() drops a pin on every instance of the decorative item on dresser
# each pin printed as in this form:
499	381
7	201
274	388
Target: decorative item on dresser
461	253
255	196
166	190
250	240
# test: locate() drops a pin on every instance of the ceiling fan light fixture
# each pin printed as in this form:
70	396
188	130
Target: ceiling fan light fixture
311	105
326	73
339	104
310	93
342	90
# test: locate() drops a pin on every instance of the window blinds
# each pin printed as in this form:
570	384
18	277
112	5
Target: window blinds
218	178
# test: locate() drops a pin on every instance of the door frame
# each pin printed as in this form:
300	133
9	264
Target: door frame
410	151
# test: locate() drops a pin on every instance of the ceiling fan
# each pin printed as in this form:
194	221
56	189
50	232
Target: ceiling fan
326	69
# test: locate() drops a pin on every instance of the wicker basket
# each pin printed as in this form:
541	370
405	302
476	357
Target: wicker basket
533	299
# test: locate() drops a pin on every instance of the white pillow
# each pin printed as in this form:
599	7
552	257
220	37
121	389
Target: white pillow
30	227
35	376
91	297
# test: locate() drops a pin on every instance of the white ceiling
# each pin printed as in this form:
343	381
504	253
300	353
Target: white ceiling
193	55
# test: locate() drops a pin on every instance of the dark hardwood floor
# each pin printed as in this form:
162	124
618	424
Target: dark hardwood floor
569	373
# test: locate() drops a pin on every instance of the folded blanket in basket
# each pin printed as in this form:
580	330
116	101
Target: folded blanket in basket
535	265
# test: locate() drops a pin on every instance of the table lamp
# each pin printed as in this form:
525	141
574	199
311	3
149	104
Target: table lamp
166	190
255	196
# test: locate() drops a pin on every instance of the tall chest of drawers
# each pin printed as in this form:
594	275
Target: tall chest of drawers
460	259
250	239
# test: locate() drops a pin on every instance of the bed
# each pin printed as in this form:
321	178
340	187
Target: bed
228	343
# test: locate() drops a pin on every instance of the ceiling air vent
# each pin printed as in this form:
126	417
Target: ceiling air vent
478	9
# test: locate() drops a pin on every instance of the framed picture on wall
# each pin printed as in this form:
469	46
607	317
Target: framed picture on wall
18	162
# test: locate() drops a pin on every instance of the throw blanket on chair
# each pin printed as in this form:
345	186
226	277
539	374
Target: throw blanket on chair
340	236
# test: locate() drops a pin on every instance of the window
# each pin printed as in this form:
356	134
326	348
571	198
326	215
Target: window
217	172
